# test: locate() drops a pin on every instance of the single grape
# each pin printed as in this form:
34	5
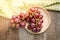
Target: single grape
38	29
17	20
29	27
40	26
17	26
13	17
32	9
12	21
21	15
22	24
33	20
38	12
27	19
37	15
18	16
32	25
34	30
41	20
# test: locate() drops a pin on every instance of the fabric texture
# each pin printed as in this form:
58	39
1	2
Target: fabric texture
8	8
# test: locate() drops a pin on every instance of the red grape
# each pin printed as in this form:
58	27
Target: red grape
33	20
12	21
40	26
18	16
32	9
38	12
21	15
17	26
22	24
17	20
32	25
13	17
27	19
38	29
29	27
34	30
37	15
41	21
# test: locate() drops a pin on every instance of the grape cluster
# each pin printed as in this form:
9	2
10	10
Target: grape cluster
33	17
18	21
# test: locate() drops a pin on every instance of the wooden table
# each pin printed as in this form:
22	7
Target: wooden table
53	32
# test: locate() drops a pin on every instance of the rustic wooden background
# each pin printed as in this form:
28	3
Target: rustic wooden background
53	32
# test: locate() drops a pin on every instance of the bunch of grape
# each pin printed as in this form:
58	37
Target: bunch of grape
18	21
33	17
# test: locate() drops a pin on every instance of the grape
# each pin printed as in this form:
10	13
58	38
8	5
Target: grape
13	17
34	30
38	12
17	26
38	29
18	16
22	24
27	19
12	21
30	16
40	26
32	9
17	20
21	15
33	20
37	15
41	21
29	27
32	25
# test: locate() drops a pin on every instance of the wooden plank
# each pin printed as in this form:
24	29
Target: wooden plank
6	34
2	35
24	35
12	35
57	26
38	37
3	28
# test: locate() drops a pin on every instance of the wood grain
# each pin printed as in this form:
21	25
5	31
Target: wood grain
5	33
53	32
57	26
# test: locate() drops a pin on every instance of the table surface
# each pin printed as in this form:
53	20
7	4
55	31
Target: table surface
53	32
